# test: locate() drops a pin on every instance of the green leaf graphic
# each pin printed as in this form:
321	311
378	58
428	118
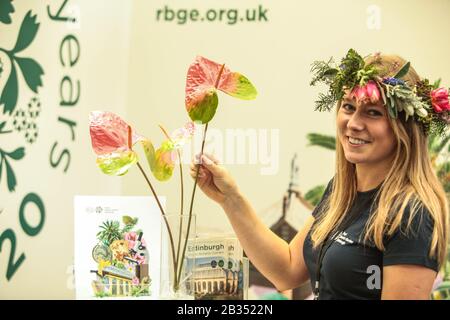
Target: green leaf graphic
27	32
17	154
10	92
1	165
31	71
6	8
10	176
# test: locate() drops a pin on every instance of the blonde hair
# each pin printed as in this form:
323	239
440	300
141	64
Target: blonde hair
411	182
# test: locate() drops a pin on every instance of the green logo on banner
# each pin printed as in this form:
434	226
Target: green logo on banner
22	119
6	8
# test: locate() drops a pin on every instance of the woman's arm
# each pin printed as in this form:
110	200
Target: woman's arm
278	261
407	282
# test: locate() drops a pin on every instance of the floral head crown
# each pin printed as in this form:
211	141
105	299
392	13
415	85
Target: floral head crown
426	103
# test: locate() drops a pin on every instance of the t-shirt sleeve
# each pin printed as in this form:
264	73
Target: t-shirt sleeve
412	246
326	194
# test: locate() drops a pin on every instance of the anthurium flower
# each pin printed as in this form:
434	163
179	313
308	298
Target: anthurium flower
204	77
440	100
112	140
162	161
369	92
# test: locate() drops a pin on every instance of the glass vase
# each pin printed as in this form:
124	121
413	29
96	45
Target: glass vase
178	234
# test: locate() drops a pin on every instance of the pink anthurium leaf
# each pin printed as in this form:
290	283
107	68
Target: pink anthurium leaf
110	133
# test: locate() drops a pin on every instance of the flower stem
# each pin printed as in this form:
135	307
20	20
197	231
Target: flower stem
181	208
175	263
180	266
176	284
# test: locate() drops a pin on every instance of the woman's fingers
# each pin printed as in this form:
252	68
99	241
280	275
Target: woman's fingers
211	166
201	172
212	158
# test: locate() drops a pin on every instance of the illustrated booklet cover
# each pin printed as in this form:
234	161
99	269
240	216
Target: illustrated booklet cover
117	247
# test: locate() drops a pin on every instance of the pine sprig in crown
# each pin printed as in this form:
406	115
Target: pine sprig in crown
426	103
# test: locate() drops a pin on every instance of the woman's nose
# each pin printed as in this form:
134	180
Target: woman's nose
355	122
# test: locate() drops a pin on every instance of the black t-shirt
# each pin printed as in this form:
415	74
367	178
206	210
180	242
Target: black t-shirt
352	268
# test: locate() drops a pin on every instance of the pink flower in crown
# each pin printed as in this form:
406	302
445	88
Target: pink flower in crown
135	281
439	100
364	94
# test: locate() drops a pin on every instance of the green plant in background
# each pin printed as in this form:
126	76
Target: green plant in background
439	150
314	195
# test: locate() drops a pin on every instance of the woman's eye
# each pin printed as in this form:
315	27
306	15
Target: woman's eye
348	107
374	112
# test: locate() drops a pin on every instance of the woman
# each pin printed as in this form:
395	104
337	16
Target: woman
381	228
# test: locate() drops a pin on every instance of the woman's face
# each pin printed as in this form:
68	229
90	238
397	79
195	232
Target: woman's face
364	132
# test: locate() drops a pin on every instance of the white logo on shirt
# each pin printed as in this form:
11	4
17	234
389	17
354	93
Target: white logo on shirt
342	239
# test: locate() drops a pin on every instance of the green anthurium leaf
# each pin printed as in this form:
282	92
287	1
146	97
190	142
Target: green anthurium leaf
117	164
10	177
27	32
31	71
10	92
6	8
403	71
238	86
149	151
205	108
17	154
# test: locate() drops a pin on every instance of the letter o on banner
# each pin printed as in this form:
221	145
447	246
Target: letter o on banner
30	230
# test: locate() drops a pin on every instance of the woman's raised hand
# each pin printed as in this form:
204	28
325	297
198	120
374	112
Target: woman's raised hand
213	179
